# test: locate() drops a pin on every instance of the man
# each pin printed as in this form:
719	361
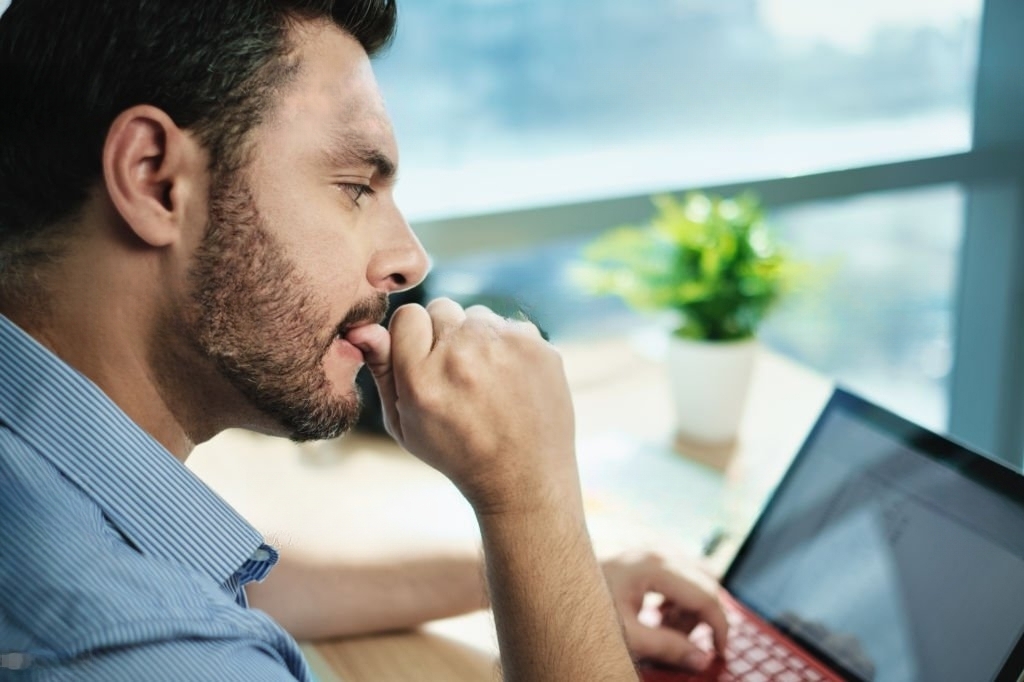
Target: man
197	232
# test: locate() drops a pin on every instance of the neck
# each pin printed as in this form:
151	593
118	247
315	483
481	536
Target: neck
102	342
103	311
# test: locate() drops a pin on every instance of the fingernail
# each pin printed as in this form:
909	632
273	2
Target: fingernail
696	660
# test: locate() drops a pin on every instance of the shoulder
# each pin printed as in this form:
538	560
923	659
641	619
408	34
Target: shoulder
67	571
74	587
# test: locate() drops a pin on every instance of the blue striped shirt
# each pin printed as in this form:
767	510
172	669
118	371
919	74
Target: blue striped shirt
116	562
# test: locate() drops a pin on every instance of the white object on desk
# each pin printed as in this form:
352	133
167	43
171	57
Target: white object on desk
710	381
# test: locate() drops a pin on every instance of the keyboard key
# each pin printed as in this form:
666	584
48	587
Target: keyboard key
739	667
739	643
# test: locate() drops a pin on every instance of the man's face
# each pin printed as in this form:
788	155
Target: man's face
305	244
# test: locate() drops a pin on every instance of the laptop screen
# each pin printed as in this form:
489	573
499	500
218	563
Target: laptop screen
890	552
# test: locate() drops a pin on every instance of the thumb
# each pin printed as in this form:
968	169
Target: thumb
375	343
664	645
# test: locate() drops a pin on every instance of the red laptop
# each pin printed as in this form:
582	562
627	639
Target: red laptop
887	553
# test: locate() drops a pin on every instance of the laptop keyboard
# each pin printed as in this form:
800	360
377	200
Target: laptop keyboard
753	654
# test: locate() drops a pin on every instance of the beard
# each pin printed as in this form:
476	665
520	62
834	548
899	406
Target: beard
263	325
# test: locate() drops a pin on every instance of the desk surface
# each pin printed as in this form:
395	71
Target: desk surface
363	496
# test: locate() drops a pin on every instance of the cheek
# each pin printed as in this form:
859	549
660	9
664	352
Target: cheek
331	269
327	242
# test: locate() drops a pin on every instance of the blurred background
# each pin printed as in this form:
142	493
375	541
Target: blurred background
883	136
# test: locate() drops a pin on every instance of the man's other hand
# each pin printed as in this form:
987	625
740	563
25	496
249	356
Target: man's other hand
660	606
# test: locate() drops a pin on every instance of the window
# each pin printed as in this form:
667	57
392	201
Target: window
509	103
880	316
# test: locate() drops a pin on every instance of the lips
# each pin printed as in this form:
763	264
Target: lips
344	348
344	329
369	311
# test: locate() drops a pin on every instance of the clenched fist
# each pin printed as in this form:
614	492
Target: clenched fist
481	398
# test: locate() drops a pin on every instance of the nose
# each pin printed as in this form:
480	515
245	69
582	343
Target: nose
400	262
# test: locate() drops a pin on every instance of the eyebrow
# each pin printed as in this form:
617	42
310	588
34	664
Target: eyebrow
347	148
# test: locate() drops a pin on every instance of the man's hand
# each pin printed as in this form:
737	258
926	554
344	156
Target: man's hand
480	398
686	601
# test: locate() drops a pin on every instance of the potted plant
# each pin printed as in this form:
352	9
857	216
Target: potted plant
714	262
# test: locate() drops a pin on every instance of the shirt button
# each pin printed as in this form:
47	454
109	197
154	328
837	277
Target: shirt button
260	555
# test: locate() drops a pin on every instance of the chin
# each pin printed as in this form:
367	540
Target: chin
341	366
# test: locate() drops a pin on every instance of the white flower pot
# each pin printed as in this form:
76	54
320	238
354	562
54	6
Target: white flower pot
710	381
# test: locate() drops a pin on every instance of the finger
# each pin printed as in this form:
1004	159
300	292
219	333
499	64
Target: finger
688	595
526	327
482	312
664	645
678	619
445	315
518	323
412	337
375	343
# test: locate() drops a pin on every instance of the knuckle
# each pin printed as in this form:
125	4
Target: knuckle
523	326
632	559
440	302
538	350
460	370
477	325
480	309
652	559
404	311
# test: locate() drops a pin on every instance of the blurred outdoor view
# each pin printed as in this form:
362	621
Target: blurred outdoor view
503	103
508	103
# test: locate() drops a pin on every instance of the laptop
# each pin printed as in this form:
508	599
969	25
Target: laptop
887	553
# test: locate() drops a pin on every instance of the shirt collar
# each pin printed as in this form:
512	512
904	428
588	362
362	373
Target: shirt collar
158	503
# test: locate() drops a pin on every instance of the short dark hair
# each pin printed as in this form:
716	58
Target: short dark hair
68	68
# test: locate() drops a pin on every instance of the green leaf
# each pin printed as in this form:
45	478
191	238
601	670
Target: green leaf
712	259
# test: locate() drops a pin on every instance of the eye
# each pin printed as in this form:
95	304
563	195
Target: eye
355	191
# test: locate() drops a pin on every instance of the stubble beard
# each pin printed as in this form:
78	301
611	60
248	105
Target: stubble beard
264	327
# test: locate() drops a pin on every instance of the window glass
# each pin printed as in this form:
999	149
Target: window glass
880	318
876	315
506	103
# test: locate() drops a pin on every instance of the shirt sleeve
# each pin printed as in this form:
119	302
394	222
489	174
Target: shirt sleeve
186	660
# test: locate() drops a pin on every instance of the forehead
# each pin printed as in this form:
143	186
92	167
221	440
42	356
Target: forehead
334	93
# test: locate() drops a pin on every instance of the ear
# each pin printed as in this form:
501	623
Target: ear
152	170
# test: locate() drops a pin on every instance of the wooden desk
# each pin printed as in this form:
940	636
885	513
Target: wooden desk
362	496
